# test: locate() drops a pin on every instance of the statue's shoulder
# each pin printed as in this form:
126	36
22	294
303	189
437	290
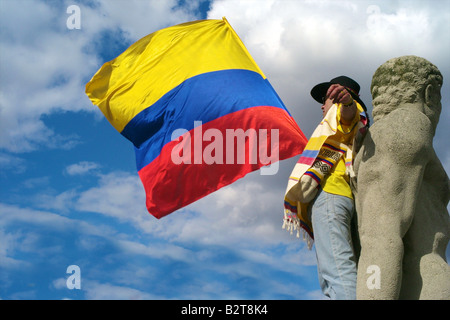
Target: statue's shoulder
404	131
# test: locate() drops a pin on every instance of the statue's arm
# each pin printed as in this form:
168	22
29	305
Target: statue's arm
388	184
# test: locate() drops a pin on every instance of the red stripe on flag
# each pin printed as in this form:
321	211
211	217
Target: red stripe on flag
170	186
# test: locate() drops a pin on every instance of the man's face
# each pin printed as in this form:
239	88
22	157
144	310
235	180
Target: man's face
327	103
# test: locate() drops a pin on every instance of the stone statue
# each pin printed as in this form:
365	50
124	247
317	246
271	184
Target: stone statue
401	187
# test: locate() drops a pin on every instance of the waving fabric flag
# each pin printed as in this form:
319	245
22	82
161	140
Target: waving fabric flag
199	111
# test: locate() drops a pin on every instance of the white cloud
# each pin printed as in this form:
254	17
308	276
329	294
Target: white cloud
141	18
13	215
60	283
99	291
17	244
161	251
245	212
243	217
45	66
8	248
236	214
196	240
61	203
242	212
42	71
301	43
119	195
12	163
81	168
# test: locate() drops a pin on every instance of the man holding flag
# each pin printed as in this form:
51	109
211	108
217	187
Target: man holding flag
318	198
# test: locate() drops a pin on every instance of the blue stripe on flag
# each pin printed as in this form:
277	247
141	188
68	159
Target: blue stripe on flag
202	98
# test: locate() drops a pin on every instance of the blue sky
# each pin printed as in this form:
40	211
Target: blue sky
69	191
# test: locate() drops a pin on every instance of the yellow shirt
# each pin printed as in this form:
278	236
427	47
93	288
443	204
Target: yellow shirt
337	182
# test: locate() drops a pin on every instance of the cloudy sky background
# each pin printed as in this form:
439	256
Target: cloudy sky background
69	191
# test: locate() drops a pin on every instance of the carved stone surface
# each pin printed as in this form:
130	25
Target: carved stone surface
401	188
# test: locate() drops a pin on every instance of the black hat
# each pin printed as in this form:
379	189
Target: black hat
319	91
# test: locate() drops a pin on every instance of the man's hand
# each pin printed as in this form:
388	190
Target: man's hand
339	94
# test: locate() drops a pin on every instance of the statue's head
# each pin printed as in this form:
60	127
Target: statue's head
407	82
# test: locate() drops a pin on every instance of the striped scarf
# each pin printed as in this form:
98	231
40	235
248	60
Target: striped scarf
321	153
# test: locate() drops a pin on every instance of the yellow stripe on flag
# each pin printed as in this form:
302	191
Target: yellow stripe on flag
159	62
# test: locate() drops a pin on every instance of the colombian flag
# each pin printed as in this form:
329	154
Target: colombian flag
198	110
